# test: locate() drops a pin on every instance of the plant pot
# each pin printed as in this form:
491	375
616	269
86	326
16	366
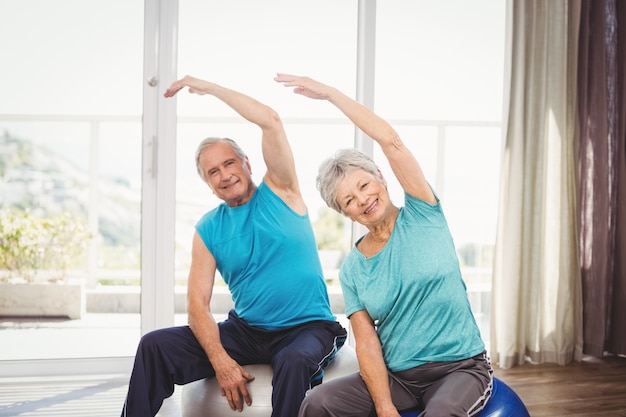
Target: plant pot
41	300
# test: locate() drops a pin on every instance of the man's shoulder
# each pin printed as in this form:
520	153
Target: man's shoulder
211	215
286	199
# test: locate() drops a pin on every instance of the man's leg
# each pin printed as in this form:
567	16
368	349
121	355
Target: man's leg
173	356
164	357
298	363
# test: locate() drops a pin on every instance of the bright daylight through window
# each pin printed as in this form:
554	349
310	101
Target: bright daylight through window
71	141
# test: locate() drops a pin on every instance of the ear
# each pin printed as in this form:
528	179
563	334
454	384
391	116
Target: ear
246	163
382	179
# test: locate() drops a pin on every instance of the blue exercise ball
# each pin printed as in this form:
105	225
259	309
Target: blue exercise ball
504	402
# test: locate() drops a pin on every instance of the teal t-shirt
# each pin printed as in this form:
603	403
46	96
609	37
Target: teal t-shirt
267	255
414	291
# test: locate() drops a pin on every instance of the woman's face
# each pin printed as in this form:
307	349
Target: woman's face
363	197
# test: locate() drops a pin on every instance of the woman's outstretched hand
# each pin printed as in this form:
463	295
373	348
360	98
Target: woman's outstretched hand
304	86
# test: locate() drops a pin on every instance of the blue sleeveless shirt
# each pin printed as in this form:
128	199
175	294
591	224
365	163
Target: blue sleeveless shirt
267	255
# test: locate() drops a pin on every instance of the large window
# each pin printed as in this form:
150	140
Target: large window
70	177
439	80
71	133
228	43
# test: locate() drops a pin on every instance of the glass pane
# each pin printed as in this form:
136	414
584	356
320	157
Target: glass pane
472	180
70	158
440	60
228	43
439	78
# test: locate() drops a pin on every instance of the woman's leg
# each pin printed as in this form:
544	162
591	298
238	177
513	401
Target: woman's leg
342	397
463	390
349	396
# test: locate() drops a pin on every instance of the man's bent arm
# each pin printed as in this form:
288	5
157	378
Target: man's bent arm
230	375
281	171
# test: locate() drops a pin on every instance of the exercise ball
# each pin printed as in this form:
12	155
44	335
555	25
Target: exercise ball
504	402
203	398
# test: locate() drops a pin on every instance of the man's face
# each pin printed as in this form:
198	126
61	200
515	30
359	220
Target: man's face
228	176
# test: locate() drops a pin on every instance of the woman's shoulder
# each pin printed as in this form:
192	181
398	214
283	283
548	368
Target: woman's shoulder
415	209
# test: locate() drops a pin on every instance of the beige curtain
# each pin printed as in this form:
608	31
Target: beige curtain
536	294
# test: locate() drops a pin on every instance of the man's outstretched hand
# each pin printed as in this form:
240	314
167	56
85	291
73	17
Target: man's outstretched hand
196	86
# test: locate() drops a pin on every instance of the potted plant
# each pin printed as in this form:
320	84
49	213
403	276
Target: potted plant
35	255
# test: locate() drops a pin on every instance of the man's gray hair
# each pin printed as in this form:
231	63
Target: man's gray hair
210	141
335	169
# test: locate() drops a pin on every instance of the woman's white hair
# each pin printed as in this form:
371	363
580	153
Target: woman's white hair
335	169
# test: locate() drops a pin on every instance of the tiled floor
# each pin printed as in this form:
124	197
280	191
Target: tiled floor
85	396
95	335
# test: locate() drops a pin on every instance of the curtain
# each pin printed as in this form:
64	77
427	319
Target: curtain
536	288
602	117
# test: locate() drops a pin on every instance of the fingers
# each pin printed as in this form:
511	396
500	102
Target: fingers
236	392
246	396
231	396
248	376
243	389
234	400
236	397
288	80
170	92
186	81
303	85
282	77
175	87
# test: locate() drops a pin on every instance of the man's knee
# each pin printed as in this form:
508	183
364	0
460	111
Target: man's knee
295	361
157	341
149	341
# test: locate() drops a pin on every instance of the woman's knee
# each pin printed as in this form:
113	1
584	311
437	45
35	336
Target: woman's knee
338	398
442	406
315	404
438	407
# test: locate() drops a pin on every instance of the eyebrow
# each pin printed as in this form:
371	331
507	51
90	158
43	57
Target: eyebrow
358	184
224	162
347	195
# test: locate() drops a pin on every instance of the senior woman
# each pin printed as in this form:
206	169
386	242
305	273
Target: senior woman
417	342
